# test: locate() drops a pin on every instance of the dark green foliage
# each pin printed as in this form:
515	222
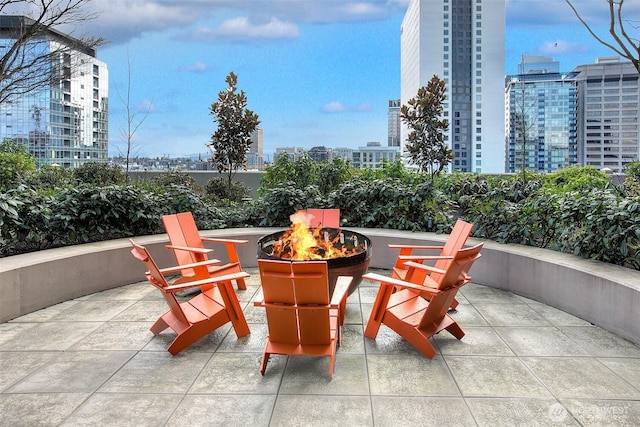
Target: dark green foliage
174	177
304	172
218	190
593	221
15	162
390	203
279	203
100	174
575	178
232	138
426	144
49	178
632	179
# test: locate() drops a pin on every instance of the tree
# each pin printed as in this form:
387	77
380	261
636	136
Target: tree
133	124
523	125
623	44
231	141
426	140
26	66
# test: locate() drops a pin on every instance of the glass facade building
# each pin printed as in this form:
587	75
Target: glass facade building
541	117
65	123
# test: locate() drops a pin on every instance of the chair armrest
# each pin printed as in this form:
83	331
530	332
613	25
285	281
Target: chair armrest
398	283
209	281
418	247
192	265
424	267
212	239
340	291
423	258
189	249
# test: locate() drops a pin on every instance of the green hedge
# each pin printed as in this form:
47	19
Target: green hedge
575	210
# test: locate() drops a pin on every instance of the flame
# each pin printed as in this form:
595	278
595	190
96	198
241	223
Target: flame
303	242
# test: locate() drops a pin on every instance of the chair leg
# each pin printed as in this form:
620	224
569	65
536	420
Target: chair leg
263	362
378	310
241	284
159	326
455	330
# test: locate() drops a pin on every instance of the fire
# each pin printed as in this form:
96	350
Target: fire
303	242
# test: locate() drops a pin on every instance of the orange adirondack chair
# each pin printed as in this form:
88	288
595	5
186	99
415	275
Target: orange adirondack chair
457	239
188	248
301	318
326	217
414	314
216	305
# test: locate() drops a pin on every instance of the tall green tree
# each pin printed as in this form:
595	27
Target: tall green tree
426	140
231	141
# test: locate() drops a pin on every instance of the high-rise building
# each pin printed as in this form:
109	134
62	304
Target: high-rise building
255	159
608	96
67	122
461	42
541	117
393	124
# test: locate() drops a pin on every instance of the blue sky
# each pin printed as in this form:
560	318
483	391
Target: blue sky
317	72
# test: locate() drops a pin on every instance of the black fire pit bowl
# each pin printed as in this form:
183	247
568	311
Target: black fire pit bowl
354	265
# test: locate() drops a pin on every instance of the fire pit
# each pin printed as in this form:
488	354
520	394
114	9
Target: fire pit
347	253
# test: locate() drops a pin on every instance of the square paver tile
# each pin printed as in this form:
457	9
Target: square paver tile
394	411
410	375
209	410
321	411
115	409
228	373
565	378
627	368
48	336
17	365
69	372
516	314
490	376
157	372
508	412
540	341
601	343
38	409
476	341
310	375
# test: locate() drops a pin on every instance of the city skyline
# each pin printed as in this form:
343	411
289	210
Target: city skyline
316	72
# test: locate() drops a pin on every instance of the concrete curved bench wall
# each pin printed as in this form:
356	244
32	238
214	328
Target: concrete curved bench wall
603	294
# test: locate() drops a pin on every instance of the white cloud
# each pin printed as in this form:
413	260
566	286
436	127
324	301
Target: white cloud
241	29
197	67
334	107
338	107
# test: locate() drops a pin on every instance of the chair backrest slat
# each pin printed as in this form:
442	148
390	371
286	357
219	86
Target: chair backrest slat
289	285
156	278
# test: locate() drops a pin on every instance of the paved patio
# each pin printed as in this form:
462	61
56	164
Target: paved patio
92	361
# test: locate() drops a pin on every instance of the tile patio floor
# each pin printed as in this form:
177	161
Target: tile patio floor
93	362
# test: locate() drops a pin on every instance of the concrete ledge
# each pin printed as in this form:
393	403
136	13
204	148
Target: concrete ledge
603	294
